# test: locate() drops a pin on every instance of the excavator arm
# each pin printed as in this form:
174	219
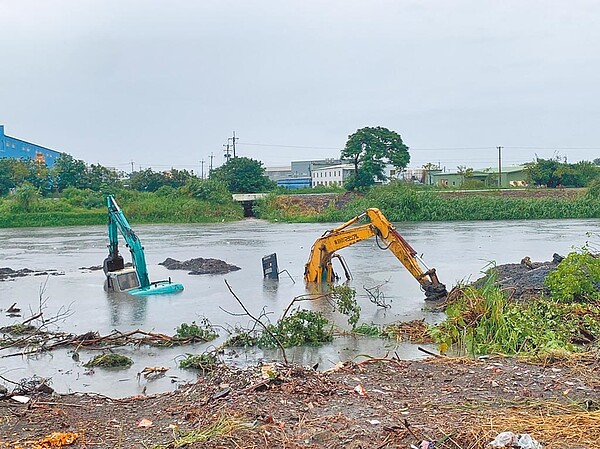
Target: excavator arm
319	266
114	261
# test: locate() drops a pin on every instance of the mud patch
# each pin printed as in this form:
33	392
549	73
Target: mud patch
8	273
525	280
200	266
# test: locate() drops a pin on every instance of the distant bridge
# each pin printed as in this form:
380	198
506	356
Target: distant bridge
247	200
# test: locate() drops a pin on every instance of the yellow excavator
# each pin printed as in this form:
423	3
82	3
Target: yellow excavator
319	267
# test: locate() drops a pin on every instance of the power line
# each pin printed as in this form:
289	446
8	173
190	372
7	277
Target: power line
289	146
484	147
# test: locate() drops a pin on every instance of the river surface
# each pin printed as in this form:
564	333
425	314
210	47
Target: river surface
458	250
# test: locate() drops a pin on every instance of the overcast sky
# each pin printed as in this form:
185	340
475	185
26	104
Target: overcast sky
165	83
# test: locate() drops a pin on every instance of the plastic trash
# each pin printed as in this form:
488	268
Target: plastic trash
525	441
512	440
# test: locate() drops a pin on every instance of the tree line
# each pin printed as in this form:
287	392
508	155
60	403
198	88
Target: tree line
369	150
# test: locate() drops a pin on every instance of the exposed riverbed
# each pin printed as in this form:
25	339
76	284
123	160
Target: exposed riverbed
459	251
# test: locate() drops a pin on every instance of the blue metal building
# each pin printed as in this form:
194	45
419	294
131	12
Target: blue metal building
294	183
19	149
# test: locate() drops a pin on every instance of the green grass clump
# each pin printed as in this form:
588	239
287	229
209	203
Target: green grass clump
368	329
109	360
222	427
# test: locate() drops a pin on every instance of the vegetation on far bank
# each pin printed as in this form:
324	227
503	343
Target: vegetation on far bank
208	201
193	203
400	201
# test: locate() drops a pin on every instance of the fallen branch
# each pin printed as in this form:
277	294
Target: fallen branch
260	323
439	356
91	339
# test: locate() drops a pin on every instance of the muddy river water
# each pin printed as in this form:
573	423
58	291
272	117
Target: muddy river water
459	251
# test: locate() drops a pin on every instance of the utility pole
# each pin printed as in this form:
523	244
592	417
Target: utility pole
227	154
233	139
131	166
499	167
202	169
210	167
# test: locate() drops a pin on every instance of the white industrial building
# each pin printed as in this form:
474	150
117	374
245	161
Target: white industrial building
334	175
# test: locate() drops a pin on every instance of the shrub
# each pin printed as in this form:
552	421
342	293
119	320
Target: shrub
483	321
204	362
26	197
301	327
196	332
576	278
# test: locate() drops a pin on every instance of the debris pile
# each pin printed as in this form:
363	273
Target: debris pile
200	266
525	280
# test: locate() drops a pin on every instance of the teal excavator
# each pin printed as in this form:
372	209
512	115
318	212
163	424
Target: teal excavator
131	280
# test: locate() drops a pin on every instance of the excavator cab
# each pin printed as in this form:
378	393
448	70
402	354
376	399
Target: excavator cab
122	281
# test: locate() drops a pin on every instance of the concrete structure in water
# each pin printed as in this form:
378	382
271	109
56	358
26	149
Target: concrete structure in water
11	147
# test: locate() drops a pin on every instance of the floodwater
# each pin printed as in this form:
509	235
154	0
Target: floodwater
458	250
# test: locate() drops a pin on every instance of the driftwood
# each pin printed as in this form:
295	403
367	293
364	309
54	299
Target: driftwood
51	341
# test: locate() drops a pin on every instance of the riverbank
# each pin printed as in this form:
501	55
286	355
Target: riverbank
458	403
402	203
399	202
89	208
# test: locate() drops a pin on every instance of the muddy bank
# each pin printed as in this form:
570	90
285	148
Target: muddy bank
200	266
458	403
525	280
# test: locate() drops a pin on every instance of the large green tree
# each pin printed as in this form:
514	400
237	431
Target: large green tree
100	178
146	180
243	175
69	172
370	150
16	172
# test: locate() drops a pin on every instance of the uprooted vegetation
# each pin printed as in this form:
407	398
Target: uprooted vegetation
36	339
205	362
296	326
109	360
486	317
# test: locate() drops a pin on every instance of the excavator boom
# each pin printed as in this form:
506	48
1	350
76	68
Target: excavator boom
319	266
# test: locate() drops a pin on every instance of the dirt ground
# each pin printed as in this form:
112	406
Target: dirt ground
458	403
